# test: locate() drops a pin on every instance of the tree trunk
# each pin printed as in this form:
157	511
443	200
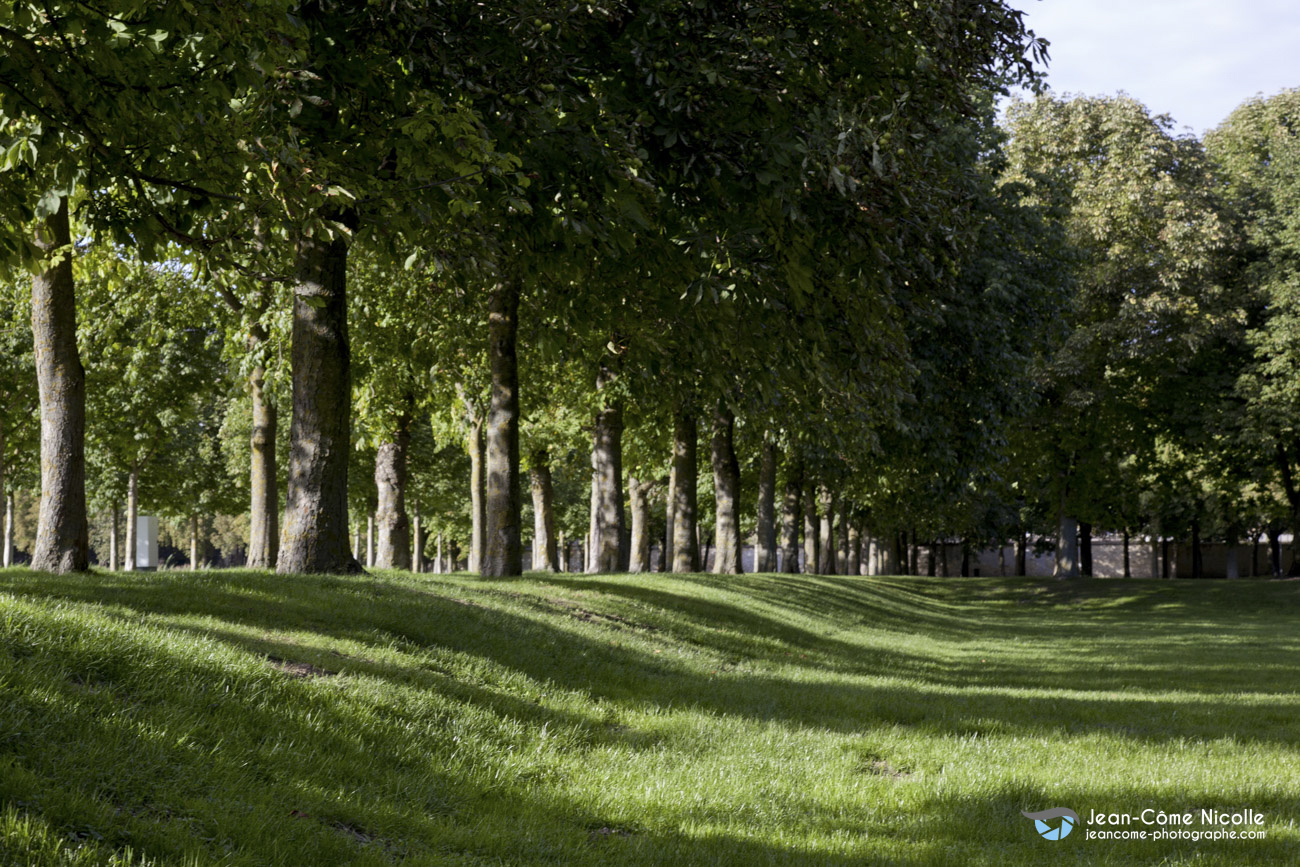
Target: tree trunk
503	554
545	556
1197	570
965	558
639	494
726	488
477	494
790	517
194	543
417	538
1164	544
855	549
826	548
686	549
264	522
1232	569
132	519
765	541
440	565
932	561
1085	549
393	550
62	536
114	541
607	517
914	561
370	540
811	549
943	556
1254	555
315	533
1127	571
9	530
1022	546
1067	548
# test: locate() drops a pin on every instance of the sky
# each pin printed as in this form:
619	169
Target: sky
1195	60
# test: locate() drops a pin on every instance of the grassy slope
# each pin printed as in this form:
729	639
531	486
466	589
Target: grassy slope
670	720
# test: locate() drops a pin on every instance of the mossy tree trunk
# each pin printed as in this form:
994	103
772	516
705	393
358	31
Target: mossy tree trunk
503	509
726	488
545	554
393	525
765	530
639	496
264	529
790	517
607	518
314	537
62	536
686	550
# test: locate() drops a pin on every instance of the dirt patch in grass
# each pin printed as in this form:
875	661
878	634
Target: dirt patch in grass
299	669
618	621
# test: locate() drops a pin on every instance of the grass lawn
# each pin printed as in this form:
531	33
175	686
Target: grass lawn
237	717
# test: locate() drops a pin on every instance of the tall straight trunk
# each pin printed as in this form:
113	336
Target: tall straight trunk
114	541
669	502
264	521
62	535
932	561
607	517
639	495
545	556
1067	548
765	541
1164	558
1197	571
417	538
393	526
314	537
726	490
914	567
686	548
855	549
439	566
194	543
842	545
1002	560
503	552
477	495
9	530
370	540
790	517
1085	549
563	550
1022	545
826	548
132	519
943	554
1128	573
965	558
1254	554
811	550
1155	552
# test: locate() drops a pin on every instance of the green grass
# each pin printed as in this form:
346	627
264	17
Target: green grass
244	718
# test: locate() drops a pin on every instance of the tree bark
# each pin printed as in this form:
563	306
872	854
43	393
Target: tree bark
314	537
686	550
842	545
765	541
114	541
855	549
639	494
194	543
1022	544
62	536
264	529
1067	548
1197	571
503	551
393	549
1127	571
440	565
477	493
545	556
1085	549
132	519
826	550
607	518
726	488
370	540
417	538
790	517
9	530
811	550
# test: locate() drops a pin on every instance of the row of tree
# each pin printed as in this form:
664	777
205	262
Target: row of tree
462	243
